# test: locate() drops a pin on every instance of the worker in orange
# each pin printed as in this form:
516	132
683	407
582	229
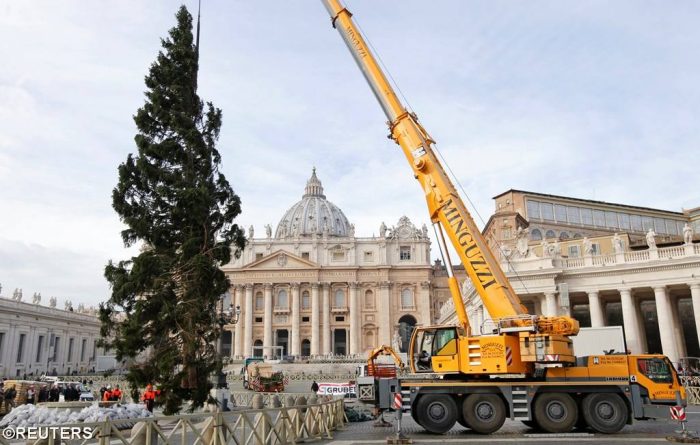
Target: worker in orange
116	394
107	396
149	397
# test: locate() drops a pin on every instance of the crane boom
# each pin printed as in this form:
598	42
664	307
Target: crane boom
447	210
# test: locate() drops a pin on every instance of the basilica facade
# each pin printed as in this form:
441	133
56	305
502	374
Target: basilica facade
314	287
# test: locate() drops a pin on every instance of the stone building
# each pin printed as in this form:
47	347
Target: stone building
602	263
35	339
317	288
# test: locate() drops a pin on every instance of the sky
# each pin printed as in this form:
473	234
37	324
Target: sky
595	100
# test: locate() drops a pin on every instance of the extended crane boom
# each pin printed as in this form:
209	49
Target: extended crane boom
447	210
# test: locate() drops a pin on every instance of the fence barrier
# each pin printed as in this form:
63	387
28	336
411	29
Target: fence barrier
269	426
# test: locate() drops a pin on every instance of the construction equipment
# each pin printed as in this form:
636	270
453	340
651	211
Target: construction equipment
525	368
260	377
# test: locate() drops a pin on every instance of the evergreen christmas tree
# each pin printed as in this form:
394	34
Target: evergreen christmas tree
163	312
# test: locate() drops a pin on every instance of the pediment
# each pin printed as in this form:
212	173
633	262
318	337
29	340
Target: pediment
281	260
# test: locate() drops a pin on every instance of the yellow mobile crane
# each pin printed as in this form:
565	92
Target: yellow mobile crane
525	368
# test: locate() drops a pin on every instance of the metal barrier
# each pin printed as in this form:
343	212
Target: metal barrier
692	388
269	426
243	399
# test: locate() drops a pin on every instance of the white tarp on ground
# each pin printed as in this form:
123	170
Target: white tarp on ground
31	415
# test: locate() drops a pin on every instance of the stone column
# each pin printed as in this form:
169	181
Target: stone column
630	321
695	296
551	304
296	340
314	319
665	320
237	296
267	321
596	309
248	325
384	314
354	320
326	349
677	327
423	304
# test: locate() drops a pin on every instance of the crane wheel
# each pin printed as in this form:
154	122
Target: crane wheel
437	413
556	412
605	413
484	413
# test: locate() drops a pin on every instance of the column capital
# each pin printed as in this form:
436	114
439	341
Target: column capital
315	285
354	284
248	286
385	284
425	284
267	286
627	290
295	286
694	286
593	292
659	288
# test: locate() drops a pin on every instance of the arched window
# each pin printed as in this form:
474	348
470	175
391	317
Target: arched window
258	348
535	234
577	236
259	301
306	347
369	299
564	235
369	339
407	298
305	300
550	234
339	300
282	301
406	325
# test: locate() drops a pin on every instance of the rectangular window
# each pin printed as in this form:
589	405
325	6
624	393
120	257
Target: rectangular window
647	223
596	249
624	219
305	319
547	211
636	222
659	225
671	227
258	319
533	210
574	252
338	255
405	253
258	256
305	300
573	215
507	234
259	303
369	257
82	350
560	213
305	255
20	348
611	220
70	350
340	318
599	218
39	347
586	216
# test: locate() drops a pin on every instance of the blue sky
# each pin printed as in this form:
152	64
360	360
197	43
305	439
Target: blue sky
596	100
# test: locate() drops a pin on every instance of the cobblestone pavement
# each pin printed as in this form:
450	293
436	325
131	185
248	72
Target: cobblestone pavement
646	432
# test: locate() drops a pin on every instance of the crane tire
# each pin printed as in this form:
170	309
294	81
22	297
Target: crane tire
555	412
437	413
605	413
484	413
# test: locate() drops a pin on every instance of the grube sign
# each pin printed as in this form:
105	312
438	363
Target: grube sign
330	389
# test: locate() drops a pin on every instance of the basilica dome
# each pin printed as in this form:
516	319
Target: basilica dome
314	214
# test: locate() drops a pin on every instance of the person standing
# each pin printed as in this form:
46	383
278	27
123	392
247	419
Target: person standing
30	395
107	396
116	394
149	397
314	387
10	395
43	395
54	393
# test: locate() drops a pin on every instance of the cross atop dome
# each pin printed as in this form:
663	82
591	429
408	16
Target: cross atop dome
313	186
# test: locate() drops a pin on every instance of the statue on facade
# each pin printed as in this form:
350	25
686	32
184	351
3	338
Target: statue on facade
651	241
618	244
81	308
555	249
687	234
396	342
545	248
251	232
17	295
351	231
587	246
36	298
521	241
67	305
268	231
52	302
382	230
424	231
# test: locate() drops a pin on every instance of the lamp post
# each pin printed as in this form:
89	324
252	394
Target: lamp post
230	315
